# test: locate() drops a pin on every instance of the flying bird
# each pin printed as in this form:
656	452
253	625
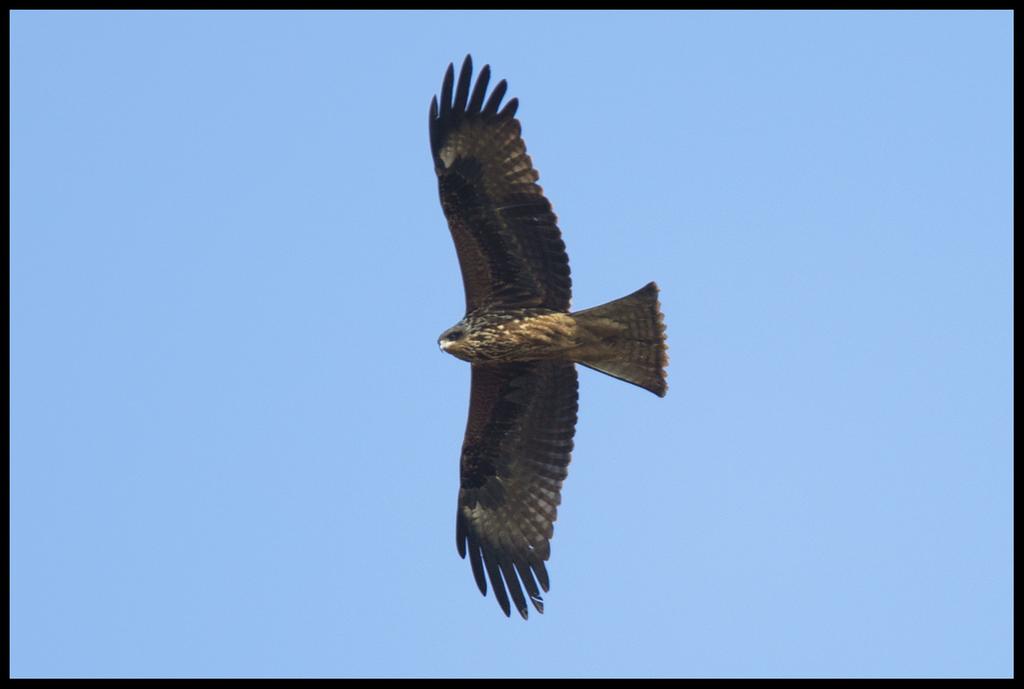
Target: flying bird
521	339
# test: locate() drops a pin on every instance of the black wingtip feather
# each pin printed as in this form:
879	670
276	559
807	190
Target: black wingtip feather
526	577
460	534
512	584
497	585
446	90
477	565
462	90
494	101
510	108
542	576
433	123
477	100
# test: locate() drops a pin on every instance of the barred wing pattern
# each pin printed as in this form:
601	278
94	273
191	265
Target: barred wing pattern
522	417
506	235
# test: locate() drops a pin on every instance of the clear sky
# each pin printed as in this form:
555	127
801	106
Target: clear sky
234	441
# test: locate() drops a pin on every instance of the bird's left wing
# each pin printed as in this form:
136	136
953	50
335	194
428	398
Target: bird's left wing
506	235
522	417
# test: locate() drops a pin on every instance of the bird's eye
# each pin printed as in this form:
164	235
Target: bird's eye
454	335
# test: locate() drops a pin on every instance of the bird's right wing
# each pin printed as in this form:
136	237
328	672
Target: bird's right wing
522	417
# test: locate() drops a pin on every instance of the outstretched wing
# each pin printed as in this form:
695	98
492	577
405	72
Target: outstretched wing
522	417
506	235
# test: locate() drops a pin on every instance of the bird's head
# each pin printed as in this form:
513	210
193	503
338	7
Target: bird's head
454	341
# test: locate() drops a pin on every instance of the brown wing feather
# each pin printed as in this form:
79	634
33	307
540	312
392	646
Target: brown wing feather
510	249
516	453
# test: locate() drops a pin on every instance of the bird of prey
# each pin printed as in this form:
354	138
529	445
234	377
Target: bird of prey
520	337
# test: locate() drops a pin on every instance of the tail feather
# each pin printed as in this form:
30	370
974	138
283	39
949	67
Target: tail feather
625	338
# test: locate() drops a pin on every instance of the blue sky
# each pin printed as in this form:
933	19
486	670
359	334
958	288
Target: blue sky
234	442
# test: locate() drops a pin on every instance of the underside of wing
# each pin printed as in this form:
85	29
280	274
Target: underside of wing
506	235
516	453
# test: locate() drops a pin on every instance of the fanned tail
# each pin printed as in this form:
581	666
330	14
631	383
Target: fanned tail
625	338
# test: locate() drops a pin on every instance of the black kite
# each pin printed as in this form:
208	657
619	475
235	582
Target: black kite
521	338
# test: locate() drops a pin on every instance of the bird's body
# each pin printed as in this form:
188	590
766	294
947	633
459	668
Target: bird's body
512	335
521	339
